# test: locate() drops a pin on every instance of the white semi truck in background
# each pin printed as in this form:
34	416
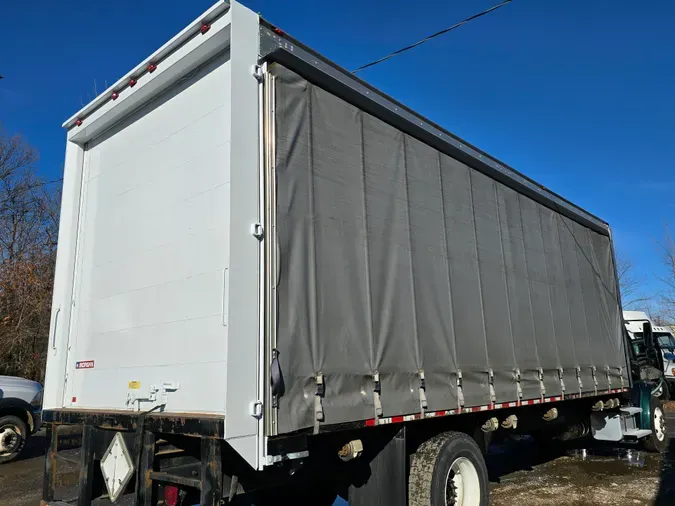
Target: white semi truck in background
275	284
664	341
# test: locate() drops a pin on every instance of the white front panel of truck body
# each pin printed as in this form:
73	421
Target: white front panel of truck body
152	259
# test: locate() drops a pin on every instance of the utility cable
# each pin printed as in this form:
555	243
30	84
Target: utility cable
426	39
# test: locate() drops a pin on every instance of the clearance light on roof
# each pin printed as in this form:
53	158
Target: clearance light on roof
114	95
205	28
278	31
78	121
132	82
152	67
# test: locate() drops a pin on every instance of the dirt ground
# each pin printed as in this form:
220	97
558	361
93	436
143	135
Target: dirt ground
586	474
594	475
520	474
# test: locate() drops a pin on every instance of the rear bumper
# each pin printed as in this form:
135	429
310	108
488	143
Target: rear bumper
167	423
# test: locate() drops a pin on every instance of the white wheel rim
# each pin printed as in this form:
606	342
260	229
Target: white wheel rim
8	441
659	424
462	486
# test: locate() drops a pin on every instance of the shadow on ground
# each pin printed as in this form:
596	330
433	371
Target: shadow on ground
666	493
36	446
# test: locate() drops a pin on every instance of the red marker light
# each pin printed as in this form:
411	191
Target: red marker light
78	121
152	67
278	31
114	95
205	28
171	495
74	399
132	82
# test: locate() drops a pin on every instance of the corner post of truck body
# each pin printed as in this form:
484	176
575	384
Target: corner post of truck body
242	424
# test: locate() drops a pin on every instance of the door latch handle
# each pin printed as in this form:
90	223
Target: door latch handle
56	322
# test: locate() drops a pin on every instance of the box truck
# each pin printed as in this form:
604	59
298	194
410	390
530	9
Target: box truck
274	279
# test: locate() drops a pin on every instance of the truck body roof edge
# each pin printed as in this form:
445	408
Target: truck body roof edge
278	46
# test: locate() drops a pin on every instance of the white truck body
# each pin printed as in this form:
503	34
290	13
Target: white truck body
187	263
156	297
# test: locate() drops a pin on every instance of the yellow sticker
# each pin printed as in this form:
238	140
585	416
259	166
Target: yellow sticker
134	385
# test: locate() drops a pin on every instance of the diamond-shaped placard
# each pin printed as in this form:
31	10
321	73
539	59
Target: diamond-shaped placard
117	467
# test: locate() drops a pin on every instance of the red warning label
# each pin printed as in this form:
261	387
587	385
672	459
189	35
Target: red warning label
84	364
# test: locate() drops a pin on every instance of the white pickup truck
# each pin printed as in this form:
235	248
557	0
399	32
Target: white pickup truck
20	414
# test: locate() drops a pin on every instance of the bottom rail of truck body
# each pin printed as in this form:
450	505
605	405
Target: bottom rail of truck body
189	452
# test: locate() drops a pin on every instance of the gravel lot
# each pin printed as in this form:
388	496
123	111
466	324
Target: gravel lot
520	474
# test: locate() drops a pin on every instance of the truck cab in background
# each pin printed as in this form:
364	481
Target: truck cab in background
20	414
664	343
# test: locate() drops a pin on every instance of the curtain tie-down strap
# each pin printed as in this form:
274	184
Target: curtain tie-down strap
519	388
318	406
423	393
377	391
542	388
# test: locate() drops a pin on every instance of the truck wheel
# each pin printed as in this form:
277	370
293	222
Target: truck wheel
657	441
448	470
13	434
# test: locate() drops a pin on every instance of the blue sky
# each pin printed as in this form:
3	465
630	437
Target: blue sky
578	95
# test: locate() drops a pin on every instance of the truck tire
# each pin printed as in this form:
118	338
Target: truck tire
657	441
448	470
664	392
13	435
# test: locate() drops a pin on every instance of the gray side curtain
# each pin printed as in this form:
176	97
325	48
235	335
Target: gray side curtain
396	259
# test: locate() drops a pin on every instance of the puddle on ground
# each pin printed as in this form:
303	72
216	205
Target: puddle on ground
613	461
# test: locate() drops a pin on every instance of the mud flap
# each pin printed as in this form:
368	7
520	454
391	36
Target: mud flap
387	483
641	397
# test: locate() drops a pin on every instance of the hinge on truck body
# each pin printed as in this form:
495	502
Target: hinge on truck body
460	392
258	231
581	385
609	377
595	380
562	382
256	409
258	72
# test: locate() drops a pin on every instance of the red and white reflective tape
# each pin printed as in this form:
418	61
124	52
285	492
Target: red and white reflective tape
477	409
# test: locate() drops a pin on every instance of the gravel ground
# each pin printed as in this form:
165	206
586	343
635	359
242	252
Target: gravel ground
520	474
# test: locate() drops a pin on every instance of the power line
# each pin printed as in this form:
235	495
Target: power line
426	39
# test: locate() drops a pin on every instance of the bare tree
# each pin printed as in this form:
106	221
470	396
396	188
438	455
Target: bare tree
630	285
667	297
28	231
